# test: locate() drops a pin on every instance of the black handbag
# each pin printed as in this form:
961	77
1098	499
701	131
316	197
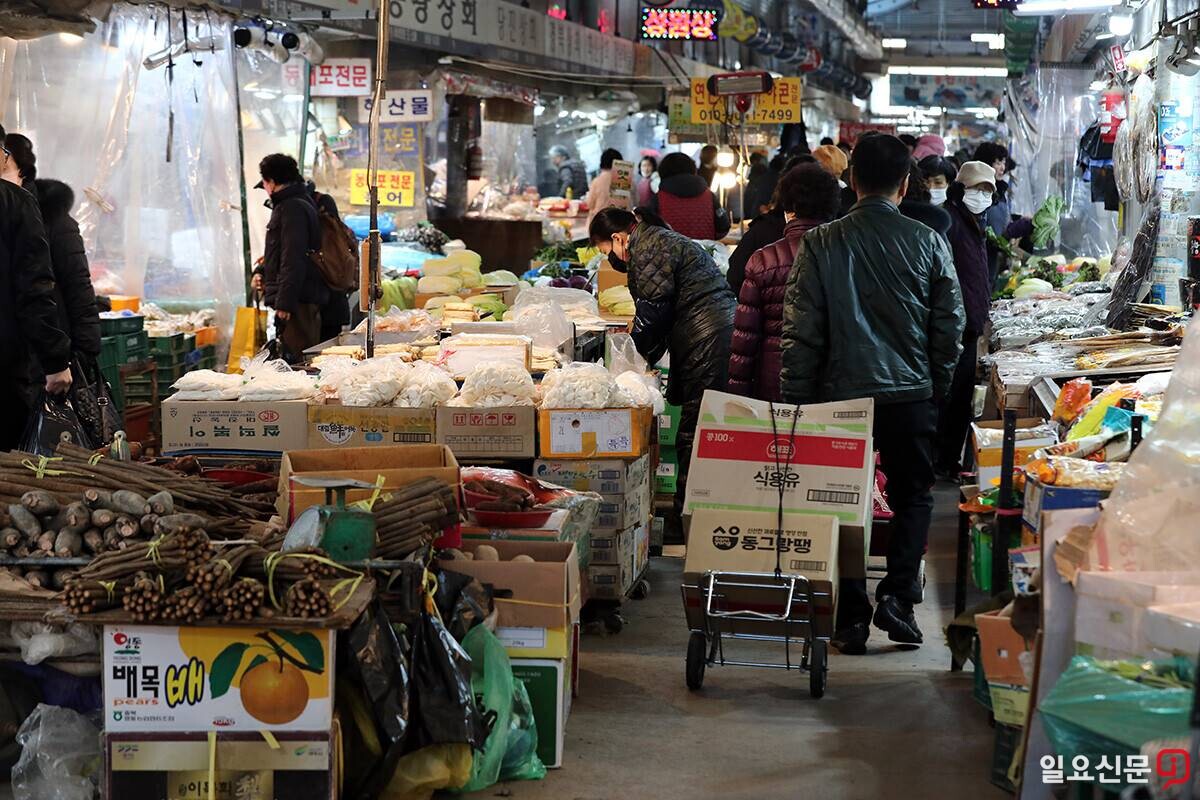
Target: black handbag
92	400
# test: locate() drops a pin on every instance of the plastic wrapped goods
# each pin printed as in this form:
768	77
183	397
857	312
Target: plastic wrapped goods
1076	472
206	384
1072	399
373	383
60	756
496	385
425	386
266	380
577	385
642	390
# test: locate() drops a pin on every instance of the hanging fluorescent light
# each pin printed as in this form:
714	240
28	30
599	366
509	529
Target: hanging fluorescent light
958	72
1100	37
894	44
1120	23
994	41
1033	8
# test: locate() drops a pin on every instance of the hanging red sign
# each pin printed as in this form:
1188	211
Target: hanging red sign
811	61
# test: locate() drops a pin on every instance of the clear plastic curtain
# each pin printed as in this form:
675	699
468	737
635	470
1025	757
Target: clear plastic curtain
151	153
1048	112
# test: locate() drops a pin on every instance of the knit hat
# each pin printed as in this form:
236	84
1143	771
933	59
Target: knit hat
929	144
832	159
974	173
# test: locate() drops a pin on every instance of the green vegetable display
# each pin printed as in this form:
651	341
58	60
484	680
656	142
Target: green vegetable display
1089	272
489	303
1046	270
554	253
1046	222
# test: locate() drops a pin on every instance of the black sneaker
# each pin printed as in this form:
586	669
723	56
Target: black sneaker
896	617
852	641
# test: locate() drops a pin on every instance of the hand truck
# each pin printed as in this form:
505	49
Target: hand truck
758	606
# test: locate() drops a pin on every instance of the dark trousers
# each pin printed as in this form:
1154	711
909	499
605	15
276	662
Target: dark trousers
685	440
14	414
957	408
299	332
904	436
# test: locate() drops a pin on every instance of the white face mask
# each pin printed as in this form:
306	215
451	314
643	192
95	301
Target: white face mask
937	196
977	200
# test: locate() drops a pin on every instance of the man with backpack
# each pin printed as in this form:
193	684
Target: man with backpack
309	259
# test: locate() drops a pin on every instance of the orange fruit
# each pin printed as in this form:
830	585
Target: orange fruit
274	693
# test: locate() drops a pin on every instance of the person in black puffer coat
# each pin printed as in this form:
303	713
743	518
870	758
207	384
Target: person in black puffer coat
683	306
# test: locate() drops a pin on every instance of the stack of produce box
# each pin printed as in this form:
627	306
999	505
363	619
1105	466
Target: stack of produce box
666	475
123	342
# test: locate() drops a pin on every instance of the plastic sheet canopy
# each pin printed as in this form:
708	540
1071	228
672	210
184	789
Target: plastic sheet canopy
152	154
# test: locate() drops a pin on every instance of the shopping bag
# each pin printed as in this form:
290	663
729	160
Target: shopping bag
52	420
92	401
249	335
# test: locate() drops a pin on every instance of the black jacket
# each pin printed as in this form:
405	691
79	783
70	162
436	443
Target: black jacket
29	328
683	306
872	310
73	293
290	279
927	214
765	229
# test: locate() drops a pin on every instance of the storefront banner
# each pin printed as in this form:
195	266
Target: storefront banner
396	188
779	106
400	105
946	91
849	132
341	77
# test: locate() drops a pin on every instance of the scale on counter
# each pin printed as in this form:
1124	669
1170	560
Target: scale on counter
346	534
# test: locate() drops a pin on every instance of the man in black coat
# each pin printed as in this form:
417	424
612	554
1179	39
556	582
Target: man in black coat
29	328
291	282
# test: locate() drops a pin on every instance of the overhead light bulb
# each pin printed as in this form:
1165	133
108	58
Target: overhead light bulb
894	44
1120	23
726	158
1033	8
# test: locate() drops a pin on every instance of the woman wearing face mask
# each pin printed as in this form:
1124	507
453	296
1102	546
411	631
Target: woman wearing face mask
969	198
648	180
939	173
683	307
918	203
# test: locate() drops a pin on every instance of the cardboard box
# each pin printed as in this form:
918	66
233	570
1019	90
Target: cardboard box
229	425
301	766
607	278
166	678
610	581
609	476
1039	497
745	541
542	594
331	426
668	425
621	511
1111	607
548	683
549	531
613	547
988	459
495	433
397	465
1173	630
666	475
641	550
739	457
533	642
1000	648
594	433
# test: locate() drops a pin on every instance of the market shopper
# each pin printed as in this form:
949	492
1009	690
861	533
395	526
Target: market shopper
918	203
969	199
291	282
809	197
873	310
767	227
708	163
335	315
685	201
598	192
648	183
939	173
31	341
929	144
572	174
683	307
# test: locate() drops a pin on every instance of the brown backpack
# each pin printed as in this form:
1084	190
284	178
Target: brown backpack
337	260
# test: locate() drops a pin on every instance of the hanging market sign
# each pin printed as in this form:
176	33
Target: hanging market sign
396	188
779	106
400	105
849	132
341	77
621	190
946	91
694	24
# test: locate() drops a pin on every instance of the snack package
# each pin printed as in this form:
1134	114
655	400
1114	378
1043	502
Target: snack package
1076	472
1072	399
1092	417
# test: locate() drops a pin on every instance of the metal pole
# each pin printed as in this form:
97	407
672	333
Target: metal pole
373	240
1008	518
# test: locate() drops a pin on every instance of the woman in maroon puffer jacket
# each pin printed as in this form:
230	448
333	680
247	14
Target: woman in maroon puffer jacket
810	196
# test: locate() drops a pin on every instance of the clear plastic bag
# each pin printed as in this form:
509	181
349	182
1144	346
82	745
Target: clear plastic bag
53	421
497	385
577	385
642	390
60	756
39	641
267	379
545	323
623	355
569	300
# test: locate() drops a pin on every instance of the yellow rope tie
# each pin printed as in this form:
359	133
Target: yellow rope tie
152	550
41	468
274	559
95	459
110	587
224	563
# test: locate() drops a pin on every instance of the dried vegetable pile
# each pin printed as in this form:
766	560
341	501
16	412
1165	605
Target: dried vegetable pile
412	517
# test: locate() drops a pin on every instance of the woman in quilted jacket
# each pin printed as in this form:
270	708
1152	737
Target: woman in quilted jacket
810	197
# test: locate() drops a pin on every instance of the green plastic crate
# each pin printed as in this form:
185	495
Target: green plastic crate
208	351
167	345
114	326
162	360
207	363
168	374
1008	741
981	556
980	690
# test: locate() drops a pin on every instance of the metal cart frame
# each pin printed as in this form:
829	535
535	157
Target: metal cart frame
757	606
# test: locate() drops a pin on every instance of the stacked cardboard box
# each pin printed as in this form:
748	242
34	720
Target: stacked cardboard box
666	474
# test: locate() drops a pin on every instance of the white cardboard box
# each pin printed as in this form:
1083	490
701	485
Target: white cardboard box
1173	630
1111	608
741	457
230	425
745	541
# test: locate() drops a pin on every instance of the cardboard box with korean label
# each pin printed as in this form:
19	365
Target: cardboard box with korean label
621	511
987	439
1111	607
668	425
229	425
1000	649
613	547
488	433
163	678
244	766
594	433
543	593
610	581
666	474
397	465
743	455
601	475
333	426
527	642
1039	497
548	683
745	541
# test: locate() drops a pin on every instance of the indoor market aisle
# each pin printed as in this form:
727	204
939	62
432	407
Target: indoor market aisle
889	719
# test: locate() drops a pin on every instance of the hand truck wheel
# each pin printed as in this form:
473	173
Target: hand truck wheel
641	590
818	667
697	656
614	622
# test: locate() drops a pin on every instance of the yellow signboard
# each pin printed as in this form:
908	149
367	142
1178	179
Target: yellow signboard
780	105
396	188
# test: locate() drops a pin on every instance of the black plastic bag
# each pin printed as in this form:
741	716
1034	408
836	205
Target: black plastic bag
441	702
377	671
52	421
463	600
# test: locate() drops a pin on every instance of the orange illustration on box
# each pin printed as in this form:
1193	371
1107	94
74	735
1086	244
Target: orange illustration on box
277	672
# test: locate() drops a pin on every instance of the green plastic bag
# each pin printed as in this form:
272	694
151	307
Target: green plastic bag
510	751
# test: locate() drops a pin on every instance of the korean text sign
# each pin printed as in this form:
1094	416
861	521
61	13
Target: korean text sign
396	188
341	77
696	24
198	679
779	106
400	105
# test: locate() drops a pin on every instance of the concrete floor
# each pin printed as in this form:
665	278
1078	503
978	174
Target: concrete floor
892	723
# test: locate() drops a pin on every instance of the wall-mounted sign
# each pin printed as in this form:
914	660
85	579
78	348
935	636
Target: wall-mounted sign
696	24
396	188
400	105
341	77
621	190
946	91
1005	5
849	132
779	106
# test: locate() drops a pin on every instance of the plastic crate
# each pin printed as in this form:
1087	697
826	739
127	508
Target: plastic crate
169	359
168	374
167	345
980	690
114	326
1007	742
207	335
981	556
125	348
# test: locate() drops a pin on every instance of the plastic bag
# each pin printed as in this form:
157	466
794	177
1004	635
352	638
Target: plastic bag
425	386
623	355
510	752
1072	399
545	323
497	385
1076	472
420	774
394	320
266	379
441	702
572	301
52	420
577	385
60	756
39	641
207	384
642	390
1090	419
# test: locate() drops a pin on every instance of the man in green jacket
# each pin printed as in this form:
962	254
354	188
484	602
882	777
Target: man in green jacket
873	309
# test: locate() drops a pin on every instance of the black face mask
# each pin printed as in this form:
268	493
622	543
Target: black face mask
617	263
